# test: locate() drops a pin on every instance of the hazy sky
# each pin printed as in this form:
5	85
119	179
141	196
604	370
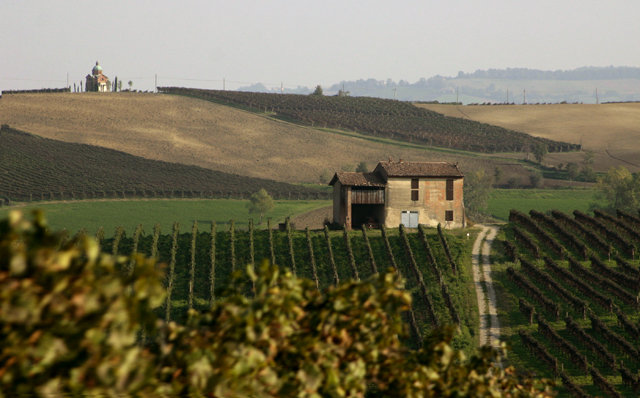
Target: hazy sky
305	42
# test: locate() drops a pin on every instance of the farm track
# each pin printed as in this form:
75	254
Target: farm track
489	323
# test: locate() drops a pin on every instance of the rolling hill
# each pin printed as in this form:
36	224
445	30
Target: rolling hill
612	131
185	130
397	120
37	168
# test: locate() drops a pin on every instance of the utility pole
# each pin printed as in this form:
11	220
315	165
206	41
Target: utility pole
394	93
457	97
156	82
597	95
281	88
68	80
524	97
507	96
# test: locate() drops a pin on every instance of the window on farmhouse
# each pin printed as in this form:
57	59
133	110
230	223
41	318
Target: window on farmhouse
448	215
415	189
449	189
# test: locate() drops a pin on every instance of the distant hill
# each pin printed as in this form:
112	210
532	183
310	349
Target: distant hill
583	73
501	85
36	168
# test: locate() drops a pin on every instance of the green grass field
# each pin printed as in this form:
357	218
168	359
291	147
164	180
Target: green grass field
503	200
129	213
110	214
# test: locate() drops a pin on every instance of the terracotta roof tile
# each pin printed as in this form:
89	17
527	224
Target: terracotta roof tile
358	179
420	169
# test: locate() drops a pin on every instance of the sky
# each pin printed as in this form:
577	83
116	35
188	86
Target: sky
229	44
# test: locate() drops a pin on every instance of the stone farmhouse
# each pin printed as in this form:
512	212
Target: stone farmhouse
97	81
395	193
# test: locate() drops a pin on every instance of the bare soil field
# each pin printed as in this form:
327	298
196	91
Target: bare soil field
612	131
196	132
313	219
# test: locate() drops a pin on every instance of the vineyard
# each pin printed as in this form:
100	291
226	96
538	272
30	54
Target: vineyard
382	118
571	286
198	265
34	168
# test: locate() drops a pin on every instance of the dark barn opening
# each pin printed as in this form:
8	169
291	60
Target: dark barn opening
370	215
367	207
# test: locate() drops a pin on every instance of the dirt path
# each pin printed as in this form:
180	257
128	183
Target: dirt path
489	325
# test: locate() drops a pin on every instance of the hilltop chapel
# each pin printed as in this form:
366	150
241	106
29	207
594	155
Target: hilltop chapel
408	193
97	81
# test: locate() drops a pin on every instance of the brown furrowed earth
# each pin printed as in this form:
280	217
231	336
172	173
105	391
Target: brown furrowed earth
610	130
196	132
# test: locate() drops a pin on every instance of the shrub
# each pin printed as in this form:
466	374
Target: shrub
69	321
536	179
514	182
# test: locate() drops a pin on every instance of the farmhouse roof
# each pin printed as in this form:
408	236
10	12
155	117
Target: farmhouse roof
358	179
419	169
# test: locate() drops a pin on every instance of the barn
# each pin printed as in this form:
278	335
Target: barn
409	193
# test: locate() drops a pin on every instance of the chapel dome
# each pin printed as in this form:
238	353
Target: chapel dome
97	70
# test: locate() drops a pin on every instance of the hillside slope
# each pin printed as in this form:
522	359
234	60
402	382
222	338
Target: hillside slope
32	167
605	127
195	132
396	120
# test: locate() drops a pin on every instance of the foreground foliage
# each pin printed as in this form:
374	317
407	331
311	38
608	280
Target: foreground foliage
74	321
